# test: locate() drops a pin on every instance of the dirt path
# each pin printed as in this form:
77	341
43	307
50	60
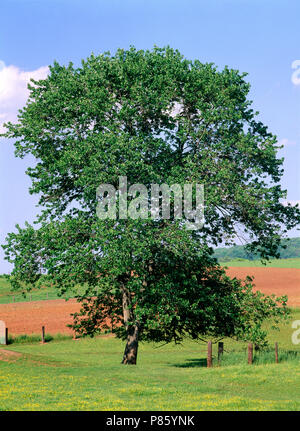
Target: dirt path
9	355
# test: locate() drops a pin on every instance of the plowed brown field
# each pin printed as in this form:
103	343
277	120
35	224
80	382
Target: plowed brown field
29	317
280	281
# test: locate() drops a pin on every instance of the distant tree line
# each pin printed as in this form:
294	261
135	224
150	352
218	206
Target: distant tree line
290	248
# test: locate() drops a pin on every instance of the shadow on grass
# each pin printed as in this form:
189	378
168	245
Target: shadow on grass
192	363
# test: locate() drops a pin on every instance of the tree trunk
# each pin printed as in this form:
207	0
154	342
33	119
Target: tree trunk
131	348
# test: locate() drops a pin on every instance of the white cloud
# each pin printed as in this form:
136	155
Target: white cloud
286	142
13	90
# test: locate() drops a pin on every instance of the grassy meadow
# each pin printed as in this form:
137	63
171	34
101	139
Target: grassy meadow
8	296
86	374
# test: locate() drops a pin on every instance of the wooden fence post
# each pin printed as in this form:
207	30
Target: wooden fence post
209	354
43	334
250	353
276	353
220	350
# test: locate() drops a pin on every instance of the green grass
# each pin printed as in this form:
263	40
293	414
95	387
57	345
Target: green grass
86	374
275	263
34	338
8	296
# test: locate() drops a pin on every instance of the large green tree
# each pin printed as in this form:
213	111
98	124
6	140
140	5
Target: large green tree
154	117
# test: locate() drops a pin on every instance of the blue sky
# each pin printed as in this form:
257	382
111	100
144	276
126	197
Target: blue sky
254	36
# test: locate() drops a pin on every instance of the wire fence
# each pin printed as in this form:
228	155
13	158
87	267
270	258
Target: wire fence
10	298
